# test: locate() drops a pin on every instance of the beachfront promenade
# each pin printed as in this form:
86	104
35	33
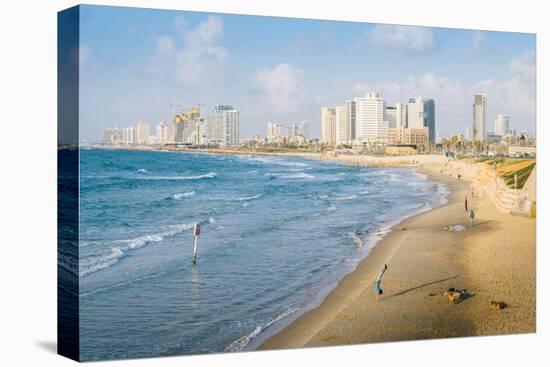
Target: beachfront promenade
494	260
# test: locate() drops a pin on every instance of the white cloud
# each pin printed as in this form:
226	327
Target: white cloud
165	44
524	65
200	56
282	86
514	96
418	39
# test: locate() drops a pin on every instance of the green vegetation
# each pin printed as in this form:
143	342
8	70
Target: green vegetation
507	168
523	175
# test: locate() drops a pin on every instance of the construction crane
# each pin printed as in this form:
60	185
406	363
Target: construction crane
173	108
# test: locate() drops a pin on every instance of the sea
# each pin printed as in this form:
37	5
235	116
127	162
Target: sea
277	234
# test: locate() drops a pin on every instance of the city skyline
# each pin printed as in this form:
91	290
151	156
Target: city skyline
194	59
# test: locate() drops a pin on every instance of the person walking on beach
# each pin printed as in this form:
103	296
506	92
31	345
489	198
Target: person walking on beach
472	216
466	203
377	287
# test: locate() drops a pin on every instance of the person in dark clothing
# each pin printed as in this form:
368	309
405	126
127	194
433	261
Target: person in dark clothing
378	284
466	203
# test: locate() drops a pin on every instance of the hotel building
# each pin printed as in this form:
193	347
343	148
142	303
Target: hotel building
328	125
343	126
502	125
421	114
480	113
162	133
143	131
369	115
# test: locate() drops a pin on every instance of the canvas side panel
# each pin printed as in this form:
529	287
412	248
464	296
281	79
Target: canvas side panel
68	340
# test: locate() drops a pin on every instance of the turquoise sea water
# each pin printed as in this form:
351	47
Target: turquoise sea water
277	234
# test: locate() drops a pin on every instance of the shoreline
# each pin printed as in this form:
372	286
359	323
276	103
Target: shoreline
279	325
424	260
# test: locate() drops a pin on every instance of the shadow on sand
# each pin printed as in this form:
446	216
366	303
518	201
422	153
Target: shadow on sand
419	286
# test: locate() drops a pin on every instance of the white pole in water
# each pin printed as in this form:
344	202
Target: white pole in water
196	233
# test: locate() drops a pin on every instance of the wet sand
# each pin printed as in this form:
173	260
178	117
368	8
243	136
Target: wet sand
494	260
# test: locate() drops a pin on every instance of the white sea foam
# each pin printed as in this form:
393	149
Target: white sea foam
348	197
198	177
248	198
142	170
241	343
211	220
356	239
331	208
182	195
121	247
276	161
297	176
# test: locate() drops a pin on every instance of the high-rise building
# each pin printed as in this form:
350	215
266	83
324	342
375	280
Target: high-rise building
480	113
214	128
328	125
232	129
292	131
390	116
162	133
502	125
343	126
112	136
420	114
143	131
351	111
274	132
129	135
400	115
369	117
223	126
304	130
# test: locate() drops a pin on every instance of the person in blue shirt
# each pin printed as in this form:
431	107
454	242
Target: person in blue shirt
377	287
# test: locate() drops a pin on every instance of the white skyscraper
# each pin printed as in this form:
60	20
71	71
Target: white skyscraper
214	128
390	116
351	111
400	115
420	114
232	128
369	118
143	131
502	125
274	131
292	131
224	121
480	113
304	129
343	126
162	133
129	135
328	125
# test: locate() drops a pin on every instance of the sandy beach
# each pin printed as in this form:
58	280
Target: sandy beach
494	261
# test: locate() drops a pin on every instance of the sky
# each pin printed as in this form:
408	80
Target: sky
135	63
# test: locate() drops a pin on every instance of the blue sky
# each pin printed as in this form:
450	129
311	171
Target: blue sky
136	62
